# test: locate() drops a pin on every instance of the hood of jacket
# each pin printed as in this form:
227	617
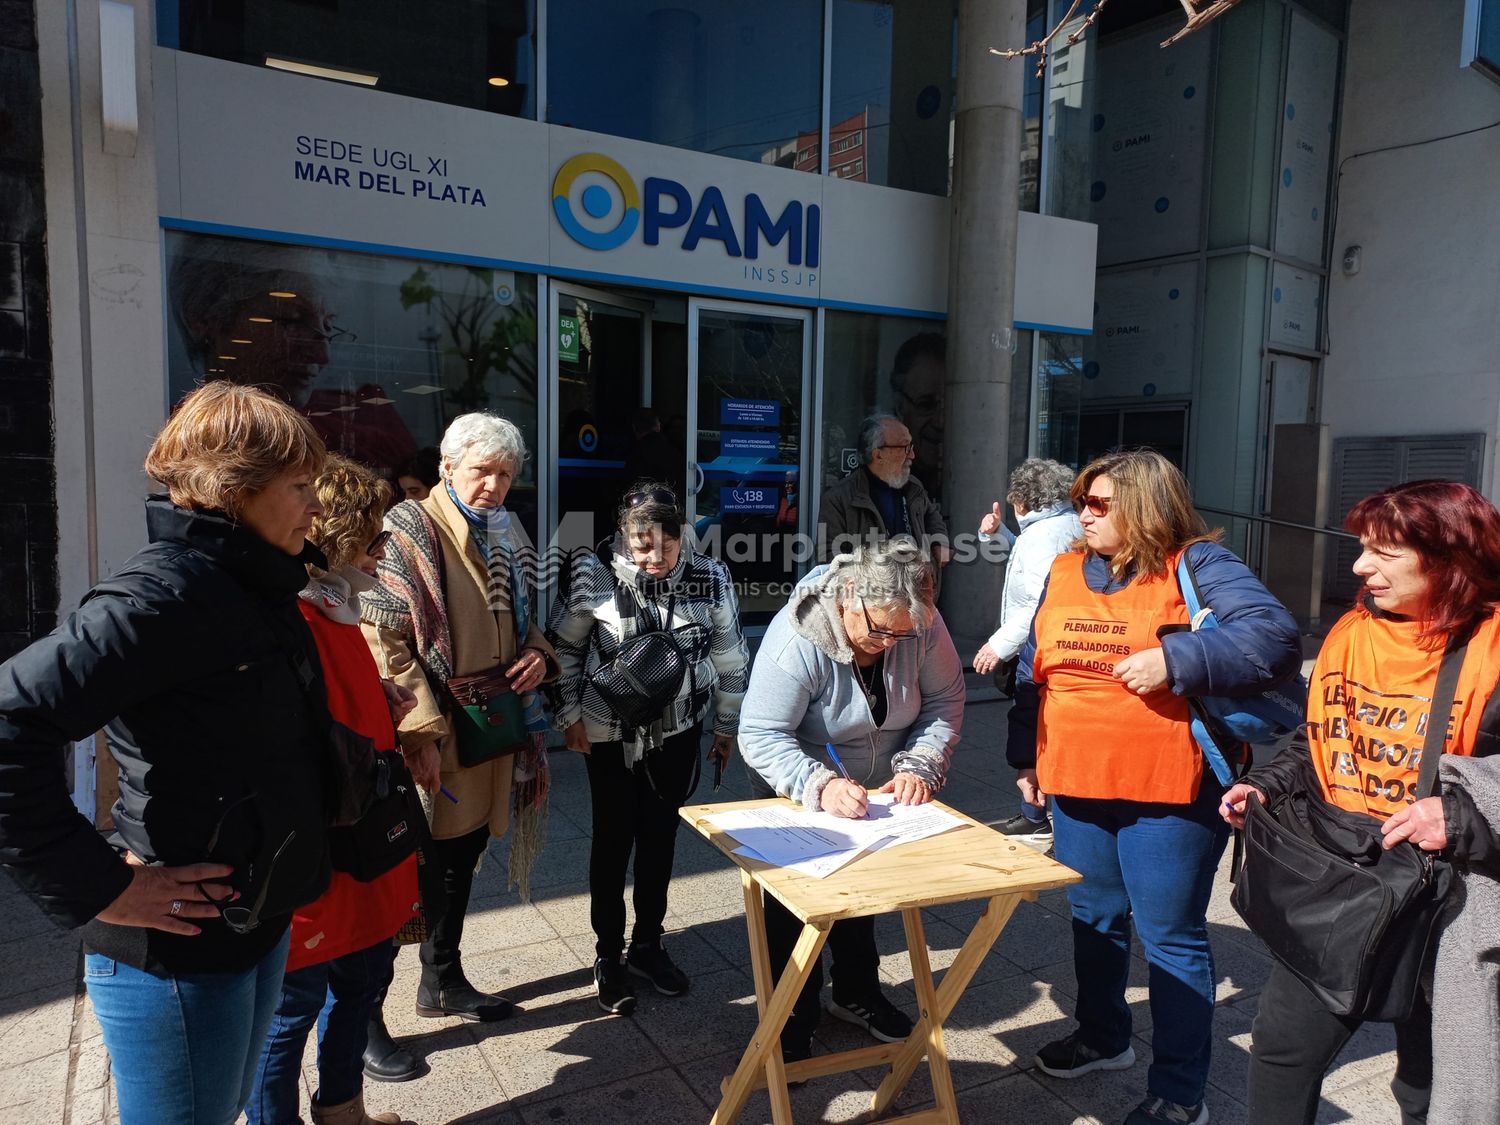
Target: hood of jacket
1061	508
815	612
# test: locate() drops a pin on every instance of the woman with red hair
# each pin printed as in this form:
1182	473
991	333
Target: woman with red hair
1430	561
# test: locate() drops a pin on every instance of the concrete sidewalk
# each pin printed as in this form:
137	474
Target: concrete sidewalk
562	1060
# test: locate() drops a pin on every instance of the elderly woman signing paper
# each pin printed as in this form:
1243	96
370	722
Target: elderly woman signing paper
858	659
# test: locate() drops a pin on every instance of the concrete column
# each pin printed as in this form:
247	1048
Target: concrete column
981	296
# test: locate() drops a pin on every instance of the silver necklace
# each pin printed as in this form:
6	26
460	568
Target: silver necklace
867	687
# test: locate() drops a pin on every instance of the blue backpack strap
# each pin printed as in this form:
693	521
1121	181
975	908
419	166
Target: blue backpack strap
1187	582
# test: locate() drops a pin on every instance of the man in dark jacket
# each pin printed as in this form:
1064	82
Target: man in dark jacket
881	499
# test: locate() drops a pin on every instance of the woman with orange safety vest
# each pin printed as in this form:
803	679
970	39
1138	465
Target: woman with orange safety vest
1430	561
1101	724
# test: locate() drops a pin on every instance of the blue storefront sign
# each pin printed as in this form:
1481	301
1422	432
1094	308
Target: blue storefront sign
749	412
742	443
748	498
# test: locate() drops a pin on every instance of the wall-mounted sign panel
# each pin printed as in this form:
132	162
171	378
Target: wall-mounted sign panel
1295	302
284	158
1143	344
1312	71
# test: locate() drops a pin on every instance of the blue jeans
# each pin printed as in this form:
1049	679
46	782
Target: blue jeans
184	1048
338	995
1157	863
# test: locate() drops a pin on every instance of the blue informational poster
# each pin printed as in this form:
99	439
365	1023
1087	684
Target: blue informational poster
749	412
749	498
743	443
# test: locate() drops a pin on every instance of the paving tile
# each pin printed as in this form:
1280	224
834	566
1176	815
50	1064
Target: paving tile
943	944
720	1009
1014	1098
34	1092
36	1023
504	924
460	1085
661	1097
836	1098
1368	1102
577	1048
38	961
566	909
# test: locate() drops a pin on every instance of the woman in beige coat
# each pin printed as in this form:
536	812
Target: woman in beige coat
454	602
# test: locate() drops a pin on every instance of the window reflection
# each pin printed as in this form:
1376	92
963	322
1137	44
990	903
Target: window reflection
740	80
475	53
886	363
892	93
379	353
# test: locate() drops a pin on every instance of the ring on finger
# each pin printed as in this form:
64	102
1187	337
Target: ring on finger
176	907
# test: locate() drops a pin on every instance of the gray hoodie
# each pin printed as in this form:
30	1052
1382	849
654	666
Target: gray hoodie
804	692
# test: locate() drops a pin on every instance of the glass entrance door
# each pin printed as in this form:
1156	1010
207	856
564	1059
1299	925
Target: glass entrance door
749	377
600	348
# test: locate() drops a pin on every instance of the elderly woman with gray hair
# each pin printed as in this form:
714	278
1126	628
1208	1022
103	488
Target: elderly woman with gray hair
1039	494
453	622
860	659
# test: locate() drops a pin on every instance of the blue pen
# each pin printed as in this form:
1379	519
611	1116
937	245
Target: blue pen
838	764
443	789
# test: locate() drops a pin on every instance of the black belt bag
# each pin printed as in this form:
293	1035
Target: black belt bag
391	828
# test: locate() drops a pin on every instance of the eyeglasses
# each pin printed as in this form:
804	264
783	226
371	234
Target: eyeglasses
885	634
1098	505
332	334
378	542
654	496
907	447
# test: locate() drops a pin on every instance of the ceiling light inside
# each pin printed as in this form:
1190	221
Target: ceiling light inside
499	81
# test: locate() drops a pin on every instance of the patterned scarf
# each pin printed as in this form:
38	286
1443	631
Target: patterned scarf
410	601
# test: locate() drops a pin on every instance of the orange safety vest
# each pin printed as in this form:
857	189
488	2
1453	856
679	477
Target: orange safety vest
1367	710
1096	737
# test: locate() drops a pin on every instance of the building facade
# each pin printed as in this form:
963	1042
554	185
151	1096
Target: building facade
732	217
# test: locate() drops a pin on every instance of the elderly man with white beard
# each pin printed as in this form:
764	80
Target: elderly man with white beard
881	499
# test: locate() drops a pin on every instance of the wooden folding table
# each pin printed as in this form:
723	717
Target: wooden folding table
971	862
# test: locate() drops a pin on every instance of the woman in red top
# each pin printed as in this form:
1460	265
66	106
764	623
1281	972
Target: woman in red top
1430	562
340	958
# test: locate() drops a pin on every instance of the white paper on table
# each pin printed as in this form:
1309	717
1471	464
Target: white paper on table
788	837
905	824
821	866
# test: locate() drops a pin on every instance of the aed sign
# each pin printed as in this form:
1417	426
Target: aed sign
600	206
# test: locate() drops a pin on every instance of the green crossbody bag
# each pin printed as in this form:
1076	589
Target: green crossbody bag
487	717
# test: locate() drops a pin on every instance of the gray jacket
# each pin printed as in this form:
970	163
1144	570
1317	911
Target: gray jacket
848	510
804	693
1466	978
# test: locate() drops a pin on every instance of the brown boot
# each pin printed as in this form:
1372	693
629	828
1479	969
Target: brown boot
352	1113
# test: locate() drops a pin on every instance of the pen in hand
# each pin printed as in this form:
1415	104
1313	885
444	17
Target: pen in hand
838	764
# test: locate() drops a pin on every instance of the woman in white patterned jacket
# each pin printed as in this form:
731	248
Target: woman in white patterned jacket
639	777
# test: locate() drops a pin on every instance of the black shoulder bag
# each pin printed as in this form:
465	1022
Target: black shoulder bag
1355	923
647	670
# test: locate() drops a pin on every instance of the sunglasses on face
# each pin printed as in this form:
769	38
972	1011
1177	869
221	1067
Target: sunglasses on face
1098	505
378	542
875	631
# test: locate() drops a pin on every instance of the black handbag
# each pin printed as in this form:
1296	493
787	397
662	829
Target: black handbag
1355	923
390	830
1004	677
646	673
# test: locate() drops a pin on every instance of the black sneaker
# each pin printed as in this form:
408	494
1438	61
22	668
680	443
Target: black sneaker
1155	1110
612	986
875	1014
1071	1057
650	962
1032	833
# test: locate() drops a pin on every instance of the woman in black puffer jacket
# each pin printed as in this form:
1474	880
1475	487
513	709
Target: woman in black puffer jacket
195	658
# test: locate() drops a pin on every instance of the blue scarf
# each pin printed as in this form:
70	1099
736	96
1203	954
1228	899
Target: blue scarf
490	528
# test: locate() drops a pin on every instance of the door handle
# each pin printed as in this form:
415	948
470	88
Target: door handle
696	486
